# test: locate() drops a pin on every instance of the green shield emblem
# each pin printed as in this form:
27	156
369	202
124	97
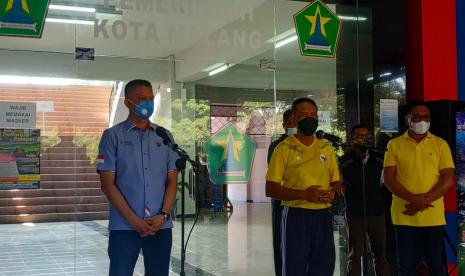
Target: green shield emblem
318	30
230	154
23	17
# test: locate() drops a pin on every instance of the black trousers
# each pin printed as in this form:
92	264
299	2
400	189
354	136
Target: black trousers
376	232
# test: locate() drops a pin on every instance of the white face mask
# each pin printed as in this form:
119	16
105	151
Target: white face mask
291	131
419	128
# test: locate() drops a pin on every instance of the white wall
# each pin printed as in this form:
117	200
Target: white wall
255	189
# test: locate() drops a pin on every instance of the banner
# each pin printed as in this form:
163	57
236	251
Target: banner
19	159
460	173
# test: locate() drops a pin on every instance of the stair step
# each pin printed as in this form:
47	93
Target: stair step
63	156
67	138
84	216
67	170
71	177
45	209
51	184
57	149
5	202
65	142
51	192
64	163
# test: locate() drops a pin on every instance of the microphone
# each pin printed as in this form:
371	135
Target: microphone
330	137
163	134
161	131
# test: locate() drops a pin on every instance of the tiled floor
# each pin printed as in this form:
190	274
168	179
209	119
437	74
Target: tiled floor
220	245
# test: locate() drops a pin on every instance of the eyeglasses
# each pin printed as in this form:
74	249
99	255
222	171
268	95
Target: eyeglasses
418	118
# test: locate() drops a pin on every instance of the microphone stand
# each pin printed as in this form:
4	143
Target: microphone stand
360	152
181	166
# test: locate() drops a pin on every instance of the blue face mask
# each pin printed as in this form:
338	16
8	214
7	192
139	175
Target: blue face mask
291	131
144	109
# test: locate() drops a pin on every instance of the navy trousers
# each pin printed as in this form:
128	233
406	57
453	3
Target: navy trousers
124	247
415	244
307	244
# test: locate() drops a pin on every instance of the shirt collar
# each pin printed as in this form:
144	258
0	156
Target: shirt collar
129	125
298	142
406	136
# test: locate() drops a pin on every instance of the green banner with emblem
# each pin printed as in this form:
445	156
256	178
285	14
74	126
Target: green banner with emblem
230	155
23	17
318	30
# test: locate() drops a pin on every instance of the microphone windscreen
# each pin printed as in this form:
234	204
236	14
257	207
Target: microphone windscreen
320	134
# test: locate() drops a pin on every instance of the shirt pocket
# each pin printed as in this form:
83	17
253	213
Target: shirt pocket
159	159
431	157
126	153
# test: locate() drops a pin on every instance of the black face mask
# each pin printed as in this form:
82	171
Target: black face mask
307	126
363	142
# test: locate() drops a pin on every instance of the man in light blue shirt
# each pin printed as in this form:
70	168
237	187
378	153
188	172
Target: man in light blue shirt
139	177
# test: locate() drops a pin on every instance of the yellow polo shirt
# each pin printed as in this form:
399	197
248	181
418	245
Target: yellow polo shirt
418	166
297	166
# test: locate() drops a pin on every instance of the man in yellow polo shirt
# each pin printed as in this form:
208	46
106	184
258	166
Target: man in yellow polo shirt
418	169
303	173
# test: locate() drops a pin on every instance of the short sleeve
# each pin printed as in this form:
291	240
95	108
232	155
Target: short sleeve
106	159
389	157
277	165
445	160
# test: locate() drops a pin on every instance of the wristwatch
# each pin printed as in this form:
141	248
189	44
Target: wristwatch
165	215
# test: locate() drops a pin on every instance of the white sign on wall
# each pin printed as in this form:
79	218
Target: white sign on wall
389	115
44	106
324	120
17	115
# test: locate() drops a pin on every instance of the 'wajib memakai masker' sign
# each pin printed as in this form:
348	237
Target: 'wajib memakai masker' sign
19	159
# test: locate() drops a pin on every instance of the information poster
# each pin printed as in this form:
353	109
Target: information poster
19	159
389	118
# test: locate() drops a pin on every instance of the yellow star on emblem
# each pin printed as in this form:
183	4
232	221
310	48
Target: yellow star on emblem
323	21
236	145
24	5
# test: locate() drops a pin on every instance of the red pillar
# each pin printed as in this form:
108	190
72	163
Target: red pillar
431	60
431	63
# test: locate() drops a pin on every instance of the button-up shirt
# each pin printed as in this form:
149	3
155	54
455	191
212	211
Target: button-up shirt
141	162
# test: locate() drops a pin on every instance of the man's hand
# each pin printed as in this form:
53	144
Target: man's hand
420	201
144	228
338	187
314	194
327	196
311	193
417	203
156	221
410	210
